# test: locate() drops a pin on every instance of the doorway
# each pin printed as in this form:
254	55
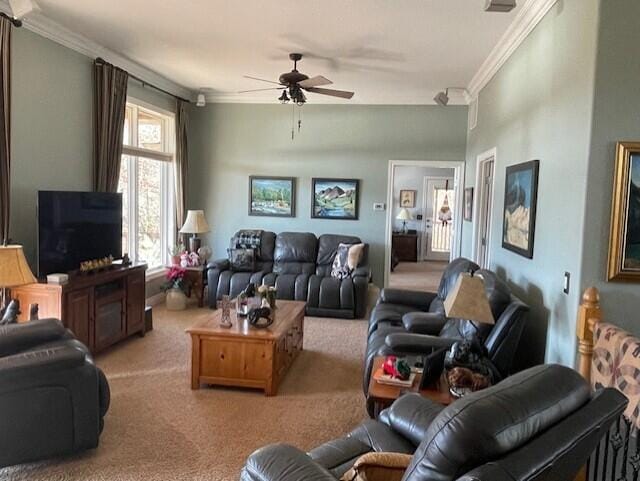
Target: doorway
424	219
483	208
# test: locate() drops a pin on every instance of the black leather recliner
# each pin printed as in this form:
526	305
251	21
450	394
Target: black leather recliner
52	396
298	264
420	333
538	425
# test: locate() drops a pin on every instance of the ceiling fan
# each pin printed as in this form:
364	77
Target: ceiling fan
295	83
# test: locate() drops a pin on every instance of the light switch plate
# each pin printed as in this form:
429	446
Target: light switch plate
378	206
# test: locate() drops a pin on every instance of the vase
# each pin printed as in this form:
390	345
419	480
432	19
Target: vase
176	300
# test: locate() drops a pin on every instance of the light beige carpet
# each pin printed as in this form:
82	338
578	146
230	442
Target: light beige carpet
159	429
420	276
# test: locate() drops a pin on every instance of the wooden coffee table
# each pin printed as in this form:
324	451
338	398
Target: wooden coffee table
244	356
383	395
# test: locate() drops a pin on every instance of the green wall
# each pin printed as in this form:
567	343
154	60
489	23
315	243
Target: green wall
51	131
539	106
615	118
229	142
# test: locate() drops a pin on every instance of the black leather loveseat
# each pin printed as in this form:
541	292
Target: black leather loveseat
298	264
538	425
52	396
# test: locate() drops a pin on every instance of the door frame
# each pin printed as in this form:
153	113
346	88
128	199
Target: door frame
478	214
423	224
458	179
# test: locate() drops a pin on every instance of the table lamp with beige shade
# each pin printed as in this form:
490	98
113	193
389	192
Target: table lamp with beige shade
195	224
404	215
14	272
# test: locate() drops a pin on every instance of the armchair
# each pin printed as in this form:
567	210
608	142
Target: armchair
52	397
540	424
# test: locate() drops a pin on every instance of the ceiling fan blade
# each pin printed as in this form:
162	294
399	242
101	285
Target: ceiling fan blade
314	82
262	80
334	93
260	90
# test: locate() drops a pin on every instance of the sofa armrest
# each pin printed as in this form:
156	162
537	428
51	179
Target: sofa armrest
424	322
411	415
417	343
220	264
40	363
362	271
281	462
15	338
418	299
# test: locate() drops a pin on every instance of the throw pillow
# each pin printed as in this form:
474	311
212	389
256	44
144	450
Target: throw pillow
242	260
378	466
347	258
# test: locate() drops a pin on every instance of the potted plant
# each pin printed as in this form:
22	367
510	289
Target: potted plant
175	252
176	287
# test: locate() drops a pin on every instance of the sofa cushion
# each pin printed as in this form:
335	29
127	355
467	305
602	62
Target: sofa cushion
347	258
451	273
241	259
295	253
328	245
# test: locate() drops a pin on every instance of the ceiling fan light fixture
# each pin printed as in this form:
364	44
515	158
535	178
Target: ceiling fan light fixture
442	98
284	98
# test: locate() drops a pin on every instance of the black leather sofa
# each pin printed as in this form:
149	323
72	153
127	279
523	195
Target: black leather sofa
298	264
538	425
52	396
414	323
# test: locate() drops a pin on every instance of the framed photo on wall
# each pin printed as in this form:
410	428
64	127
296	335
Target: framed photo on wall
468	204
408	198
335	198
624	241
272	196
520	199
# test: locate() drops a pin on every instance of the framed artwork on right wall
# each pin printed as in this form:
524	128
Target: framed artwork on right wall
624	241
520	199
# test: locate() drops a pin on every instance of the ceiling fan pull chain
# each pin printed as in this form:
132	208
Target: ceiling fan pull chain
299	118
293	120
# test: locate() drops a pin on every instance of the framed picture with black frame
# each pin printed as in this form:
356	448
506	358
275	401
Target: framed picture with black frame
520	199
272	196
335	198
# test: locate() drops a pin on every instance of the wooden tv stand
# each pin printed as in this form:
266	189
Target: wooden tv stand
100	308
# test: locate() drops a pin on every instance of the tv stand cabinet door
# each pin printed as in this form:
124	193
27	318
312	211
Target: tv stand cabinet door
136	302
79	315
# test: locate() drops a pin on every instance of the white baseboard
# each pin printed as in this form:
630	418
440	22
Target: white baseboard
156	299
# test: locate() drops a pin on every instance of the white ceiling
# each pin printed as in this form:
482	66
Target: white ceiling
387	51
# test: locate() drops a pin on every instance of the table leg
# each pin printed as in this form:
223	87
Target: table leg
195	362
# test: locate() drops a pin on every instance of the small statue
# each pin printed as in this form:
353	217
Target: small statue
11	313
225	319
255	315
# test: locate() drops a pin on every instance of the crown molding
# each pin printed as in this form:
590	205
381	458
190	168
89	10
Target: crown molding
526	20
40	24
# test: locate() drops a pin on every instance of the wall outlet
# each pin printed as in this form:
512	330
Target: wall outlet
567	283
378	206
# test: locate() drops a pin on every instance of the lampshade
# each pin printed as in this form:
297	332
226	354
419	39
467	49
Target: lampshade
195	223
468	300
14	270
404	214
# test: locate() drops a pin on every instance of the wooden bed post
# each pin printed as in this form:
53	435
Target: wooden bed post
589	314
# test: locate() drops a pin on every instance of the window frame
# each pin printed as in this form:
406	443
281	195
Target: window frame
167	156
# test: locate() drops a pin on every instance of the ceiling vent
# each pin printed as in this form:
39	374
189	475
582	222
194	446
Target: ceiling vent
500	5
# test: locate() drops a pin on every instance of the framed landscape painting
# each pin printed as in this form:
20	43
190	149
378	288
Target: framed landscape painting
272	196
624	242
520	198
335	198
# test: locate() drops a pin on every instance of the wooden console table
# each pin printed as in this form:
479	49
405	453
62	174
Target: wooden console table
244	356
405	247
100	308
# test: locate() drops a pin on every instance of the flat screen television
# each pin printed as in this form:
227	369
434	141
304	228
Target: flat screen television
77	226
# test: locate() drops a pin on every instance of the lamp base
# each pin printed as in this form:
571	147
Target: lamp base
194	244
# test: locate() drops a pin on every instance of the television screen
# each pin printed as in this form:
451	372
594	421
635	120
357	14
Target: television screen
77	226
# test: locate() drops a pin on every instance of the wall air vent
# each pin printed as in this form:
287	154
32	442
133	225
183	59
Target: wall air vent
500	5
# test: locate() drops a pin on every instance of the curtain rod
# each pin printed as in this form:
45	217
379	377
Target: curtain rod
15	21
144	83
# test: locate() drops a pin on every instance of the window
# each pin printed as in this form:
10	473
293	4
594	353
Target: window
146	182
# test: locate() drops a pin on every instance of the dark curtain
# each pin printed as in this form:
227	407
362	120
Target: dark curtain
181	163
110	97
5	128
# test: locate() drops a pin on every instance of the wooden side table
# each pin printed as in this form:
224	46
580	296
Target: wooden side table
383	395
197	282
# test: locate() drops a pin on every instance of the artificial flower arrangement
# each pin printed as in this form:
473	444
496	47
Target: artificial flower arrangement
189	259
176	279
